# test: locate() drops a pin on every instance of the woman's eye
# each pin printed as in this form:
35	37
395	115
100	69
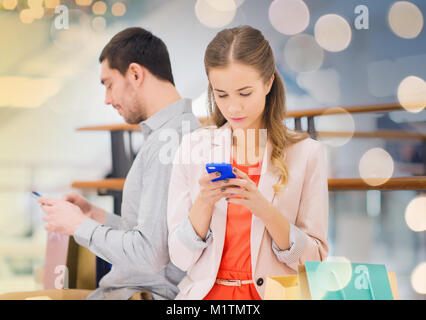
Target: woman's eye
245	94
222	96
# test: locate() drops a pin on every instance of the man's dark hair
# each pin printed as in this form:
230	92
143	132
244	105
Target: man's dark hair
140	46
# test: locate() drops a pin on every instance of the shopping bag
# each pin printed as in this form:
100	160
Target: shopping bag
67	264
282	288
345	281
55	267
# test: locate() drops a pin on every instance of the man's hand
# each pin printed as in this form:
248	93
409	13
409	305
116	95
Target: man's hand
88	209
62	216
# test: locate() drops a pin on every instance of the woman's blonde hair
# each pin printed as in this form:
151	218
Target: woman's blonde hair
247	45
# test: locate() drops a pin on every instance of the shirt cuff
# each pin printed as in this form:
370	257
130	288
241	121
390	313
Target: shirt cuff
83	233
298	240
190	238
113	220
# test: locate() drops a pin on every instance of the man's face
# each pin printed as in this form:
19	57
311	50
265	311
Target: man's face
121	93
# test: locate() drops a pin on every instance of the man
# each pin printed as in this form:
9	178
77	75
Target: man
137	74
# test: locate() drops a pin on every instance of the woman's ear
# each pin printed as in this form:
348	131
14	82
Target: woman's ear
136	74
269	84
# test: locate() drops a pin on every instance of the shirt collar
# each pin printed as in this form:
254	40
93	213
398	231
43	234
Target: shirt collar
164	115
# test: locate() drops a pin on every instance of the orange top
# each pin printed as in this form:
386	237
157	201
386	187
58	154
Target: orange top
236	255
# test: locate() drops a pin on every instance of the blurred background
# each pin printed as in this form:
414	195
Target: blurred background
330	54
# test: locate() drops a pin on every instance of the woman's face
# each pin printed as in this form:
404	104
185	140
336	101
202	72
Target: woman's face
240	94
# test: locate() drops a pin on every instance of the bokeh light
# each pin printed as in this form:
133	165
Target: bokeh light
99	8
331	122
334	275
37	91
332	32
376	166
83	3
35	3
415	214
289	16
118	9
222	5
418	278
37	12
10	4
211	17
26	16
405	19
99	23
51	4
303	54
412	94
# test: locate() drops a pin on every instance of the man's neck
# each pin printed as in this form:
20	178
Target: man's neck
162	96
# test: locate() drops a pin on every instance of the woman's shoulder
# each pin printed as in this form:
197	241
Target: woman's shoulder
306	147
306	143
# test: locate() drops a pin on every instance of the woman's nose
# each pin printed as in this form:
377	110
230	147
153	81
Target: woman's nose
234	108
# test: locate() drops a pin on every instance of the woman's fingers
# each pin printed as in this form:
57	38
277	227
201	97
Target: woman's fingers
208	177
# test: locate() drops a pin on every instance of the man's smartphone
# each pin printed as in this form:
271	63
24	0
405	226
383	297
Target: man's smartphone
225	170
35	195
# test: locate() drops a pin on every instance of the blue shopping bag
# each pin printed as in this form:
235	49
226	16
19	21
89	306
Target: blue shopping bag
331	280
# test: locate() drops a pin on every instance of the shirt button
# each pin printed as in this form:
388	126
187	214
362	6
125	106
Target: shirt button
259	281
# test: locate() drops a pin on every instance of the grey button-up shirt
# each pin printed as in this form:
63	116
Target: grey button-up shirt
136	243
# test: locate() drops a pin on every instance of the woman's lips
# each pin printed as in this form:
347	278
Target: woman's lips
238	119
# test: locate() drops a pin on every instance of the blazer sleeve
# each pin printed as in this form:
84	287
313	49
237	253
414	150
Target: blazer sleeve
308	237
185	246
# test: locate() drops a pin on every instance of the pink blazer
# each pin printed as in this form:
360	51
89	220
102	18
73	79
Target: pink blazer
303	201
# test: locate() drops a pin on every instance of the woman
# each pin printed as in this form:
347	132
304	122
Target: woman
230	235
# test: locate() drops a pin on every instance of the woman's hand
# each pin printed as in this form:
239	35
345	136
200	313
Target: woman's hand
245	192
211	192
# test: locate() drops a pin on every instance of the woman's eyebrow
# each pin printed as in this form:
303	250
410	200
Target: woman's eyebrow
246	87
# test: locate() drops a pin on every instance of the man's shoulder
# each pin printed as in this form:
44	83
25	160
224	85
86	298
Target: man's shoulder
168	138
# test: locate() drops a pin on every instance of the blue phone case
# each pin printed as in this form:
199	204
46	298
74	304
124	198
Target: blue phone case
225	170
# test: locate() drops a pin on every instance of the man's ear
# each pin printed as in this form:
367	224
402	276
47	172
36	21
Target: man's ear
136	74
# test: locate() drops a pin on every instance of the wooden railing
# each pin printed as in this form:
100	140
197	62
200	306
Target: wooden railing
338	184
402	183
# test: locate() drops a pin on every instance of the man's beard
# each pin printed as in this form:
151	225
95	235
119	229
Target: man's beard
136	117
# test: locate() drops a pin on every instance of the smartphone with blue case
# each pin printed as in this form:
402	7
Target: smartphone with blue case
225	170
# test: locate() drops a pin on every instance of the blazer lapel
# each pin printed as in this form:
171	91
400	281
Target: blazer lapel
267	179
220	144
